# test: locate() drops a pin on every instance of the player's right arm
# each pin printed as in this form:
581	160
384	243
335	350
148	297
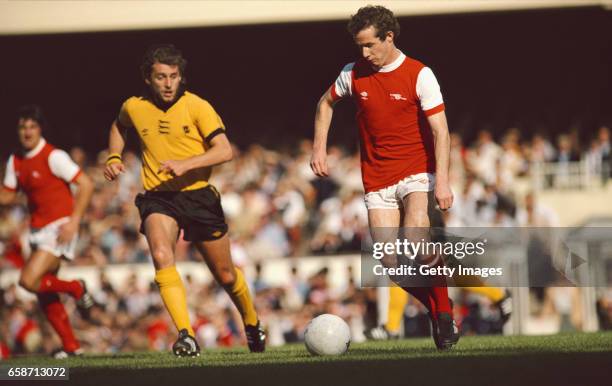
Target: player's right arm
116	143
341	88
323	118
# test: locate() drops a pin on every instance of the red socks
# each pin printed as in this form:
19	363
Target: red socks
50	303
56	314
440	297
439	292
422	295
51	284
434	298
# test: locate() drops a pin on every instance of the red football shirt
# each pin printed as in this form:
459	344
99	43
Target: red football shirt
392	105
44	174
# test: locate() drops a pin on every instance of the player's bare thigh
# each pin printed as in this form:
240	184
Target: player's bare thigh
378	218
40	263
416	209
384	224
417	206
216	254
161	232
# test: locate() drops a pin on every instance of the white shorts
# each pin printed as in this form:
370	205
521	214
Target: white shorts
391	197
45	239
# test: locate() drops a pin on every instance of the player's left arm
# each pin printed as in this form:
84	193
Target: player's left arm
82	197
432	104
218	152
63	167
439	128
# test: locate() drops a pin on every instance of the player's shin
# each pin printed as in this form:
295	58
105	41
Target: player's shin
241	296
438	289
398	298
423	295
494	294
56	315
173	294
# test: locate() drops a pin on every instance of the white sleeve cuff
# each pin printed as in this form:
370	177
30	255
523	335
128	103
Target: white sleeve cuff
10	178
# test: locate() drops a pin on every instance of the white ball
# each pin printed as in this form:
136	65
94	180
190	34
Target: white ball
327	334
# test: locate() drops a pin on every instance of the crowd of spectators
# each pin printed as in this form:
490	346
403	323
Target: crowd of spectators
276	208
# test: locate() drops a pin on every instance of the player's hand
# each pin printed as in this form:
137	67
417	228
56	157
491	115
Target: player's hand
67	231
175	168
444	196
113	170
318	163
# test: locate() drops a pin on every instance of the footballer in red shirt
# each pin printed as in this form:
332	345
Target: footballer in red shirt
404	145
44	173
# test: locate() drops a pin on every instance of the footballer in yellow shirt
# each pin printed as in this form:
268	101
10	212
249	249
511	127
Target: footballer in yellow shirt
185	129
182	138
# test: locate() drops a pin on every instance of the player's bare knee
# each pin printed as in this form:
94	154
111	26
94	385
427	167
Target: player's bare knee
227	278
163	257
28	283
417	220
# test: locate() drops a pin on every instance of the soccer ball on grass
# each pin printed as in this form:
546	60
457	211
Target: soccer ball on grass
327	334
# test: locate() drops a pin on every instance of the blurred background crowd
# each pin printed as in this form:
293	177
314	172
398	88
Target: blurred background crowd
276	208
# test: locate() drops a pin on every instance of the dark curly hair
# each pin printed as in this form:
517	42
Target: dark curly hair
381	18
33	112
166	54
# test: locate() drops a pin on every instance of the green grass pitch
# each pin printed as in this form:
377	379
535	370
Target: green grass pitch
567	359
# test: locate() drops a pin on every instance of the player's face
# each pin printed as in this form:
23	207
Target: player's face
29	133
377	52
165	81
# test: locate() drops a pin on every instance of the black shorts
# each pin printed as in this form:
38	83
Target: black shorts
197	212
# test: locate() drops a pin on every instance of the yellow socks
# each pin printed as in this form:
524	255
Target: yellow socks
242	299
174	296
475	284
398	298
492	293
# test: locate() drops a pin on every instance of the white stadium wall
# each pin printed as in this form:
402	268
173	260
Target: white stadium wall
39	17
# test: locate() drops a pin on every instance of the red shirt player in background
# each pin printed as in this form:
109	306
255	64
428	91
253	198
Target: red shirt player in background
44	174
404	144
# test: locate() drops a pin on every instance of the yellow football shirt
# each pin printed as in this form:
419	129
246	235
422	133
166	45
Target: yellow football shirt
181	132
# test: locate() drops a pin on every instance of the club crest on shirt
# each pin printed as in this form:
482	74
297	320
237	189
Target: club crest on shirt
396	97
364	95
163	127
186	129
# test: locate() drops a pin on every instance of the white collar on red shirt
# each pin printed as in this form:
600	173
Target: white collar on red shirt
36	149
394	64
